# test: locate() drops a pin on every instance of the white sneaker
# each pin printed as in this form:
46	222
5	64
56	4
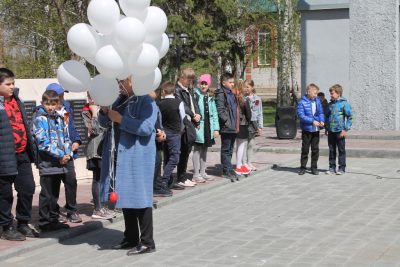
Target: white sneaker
199	180
330	171
207	178
109	212
187	183
190	182
339	172
100	215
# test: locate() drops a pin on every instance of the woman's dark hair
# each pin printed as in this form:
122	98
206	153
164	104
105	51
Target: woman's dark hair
5	74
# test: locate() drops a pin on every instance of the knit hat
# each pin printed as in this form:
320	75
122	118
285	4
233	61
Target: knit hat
205	78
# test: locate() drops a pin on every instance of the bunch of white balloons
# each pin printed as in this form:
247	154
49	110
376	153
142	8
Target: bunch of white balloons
118	46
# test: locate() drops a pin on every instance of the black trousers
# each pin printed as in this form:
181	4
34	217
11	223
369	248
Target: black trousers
183	160
48	197
227	144
71	187
172	150
335	141
309	139
157	180
24	185
139	226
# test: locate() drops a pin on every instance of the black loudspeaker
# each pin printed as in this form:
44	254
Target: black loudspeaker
285	122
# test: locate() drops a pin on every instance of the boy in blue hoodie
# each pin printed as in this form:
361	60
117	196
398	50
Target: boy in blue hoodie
338	124
311	116
54	152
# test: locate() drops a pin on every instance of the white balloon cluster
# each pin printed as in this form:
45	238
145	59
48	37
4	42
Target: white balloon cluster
118	46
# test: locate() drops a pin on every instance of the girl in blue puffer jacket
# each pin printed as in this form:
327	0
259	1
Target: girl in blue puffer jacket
312	117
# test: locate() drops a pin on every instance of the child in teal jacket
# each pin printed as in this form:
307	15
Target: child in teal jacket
208	128
338	124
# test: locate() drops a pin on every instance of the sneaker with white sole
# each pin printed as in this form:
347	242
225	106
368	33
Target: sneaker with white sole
207	177
199	180
187	183
238	171
100	215
109	212
340	172
330	171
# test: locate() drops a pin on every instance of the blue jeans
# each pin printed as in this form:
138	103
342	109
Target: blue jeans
227	143
172	149
335	141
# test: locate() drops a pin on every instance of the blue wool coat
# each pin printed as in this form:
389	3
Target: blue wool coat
214	124
136	152
304	111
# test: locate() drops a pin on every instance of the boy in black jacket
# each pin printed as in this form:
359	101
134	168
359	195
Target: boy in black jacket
173	113
16	156
228	114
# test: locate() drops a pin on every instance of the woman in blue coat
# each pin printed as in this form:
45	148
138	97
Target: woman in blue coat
133	119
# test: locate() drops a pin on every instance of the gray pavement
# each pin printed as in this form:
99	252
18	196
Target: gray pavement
274	218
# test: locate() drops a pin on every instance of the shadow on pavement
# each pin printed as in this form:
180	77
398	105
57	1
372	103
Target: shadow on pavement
103	239
279	168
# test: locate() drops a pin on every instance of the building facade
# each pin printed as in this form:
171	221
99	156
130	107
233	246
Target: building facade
355	43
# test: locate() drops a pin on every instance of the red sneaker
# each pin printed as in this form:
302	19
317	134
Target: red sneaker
245	170
238	171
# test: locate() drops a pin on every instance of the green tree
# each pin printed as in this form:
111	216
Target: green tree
213	28
35	34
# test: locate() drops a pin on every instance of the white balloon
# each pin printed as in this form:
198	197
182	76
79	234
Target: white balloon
104	91
155	22
105	40
73	76
162	44
142	85
103	15
129	34
144	60
134	8
83	40
125	74
109	62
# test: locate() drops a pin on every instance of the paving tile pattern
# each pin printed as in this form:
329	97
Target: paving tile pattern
275	218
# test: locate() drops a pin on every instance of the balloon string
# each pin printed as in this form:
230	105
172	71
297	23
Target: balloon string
112	158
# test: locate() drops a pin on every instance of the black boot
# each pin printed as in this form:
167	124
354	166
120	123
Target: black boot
10	233
163	191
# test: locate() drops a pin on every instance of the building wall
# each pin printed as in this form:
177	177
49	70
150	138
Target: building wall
355	43
374	63
325	49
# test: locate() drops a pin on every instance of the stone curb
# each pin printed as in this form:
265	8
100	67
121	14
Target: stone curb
350	152
96	225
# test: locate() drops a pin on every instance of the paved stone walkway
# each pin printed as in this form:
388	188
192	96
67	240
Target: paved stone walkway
275	218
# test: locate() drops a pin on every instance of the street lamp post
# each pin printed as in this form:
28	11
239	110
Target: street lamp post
177	42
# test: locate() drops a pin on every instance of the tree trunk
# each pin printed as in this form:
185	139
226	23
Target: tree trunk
285	46
2	50
51	46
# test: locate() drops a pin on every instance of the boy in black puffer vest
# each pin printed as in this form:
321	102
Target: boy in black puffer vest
16	156
172	113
